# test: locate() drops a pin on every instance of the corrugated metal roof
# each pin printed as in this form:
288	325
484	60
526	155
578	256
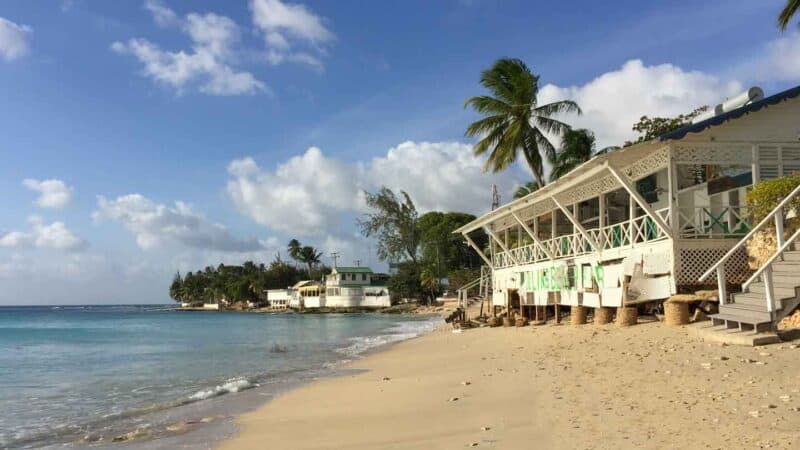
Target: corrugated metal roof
730	115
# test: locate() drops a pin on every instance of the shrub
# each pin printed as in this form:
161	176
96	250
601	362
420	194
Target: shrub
766	195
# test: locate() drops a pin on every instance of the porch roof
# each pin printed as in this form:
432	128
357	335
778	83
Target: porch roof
582	173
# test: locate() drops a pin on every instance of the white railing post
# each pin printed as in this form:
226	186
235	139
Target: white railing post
722	285
779	226
768	286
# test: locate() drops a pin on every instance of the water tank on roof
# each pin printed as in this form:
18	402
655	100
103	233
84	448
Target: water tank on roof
751	95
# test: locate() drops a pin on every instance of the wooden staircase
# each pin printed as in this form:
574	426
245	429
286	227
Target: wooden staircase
748	310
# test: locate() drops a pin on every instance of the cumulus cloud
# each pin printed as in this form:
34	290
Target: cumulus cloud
13	39
153	223
779	61
54	236
286	26
616	100
311	193
52	193
208	64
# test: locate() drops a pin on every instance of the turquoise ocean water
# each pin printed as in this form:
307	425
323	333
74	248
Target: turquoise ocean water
76	371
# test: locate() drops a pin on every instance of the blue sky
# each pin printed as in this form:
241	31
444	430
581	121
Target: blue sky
243	109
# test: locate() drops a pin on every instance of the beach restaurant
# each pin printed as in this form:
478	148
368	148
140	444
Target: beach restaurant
649	220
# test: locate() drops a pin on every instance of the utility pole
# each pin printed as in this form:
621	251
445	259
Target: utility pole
357	262
335	256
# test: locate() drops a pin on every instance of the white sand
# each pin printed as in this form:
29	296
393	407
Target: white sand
647	386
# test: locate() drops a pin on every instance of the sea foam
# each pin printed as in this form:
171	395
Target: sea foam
232	385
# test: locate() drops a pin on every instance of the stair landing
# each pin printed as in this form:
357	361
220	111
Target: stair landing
709	332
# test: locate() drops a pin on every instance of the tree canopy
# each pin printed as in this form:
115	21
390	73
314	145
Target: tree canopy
393	223
653	127
513	121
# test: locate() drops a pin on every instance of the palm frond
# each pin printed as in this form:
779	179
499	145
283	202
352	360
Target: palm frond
486	125
560	107
791	8
488	105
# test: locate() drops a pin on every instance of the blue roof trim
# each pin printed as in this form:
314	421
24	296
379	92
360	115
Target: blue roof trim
734	114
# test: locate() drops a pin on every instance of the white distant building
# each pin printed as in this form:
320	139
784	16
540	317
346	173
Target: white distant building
355	287
278	298
345	287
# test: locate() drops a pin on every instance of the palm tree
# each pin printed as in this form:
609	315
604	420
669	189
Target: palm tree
294	249
577	147
429	281
514	122
791	8
526	189
310	256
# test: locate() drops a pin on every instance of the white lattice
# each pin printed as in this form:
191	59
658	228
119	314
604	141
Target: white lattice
651	163
585	191
705	153
694	262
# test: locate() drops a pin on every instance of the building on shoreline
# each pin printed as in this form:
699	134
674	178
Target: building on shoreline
278	299
649	220
344	287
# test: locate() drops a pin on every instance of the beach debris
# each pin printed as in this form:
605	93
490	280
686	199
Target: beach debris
465	383
764	354
486	428
453	399
754	413
706	366
785	398
474	444
386	379
277	348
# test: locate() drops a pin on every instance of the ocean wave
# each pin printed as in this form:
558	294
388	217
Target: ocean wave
230	386
400	331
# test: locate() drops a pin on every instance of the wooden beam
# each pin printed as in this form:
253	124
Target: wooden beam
532	235
503	246
478	251
576	224
626	183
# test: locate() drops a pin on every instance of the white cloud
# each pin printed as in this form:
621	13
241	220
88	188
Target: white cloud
207	65
13	39
162	15
52	193
285	26
779	61
153	223
614	101
54	236
312	193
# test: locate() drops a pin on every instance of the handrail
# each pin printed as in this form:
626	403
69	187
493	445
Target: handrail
750	234
772	259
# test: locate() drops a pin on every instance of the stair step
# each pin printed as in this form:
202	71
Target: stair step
758	307
784	278
745	315
780	292
786	266
749	298
792	255
738	319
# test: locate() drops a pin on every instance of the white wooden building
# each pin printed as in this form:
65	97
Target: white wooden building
648	220
344	287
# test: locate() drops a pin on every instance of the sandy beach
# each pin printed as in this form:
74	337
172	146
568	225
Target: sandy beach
647	386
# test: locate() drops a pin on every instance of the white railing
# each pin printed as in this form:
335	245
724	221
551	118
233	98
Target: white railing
765	271
619	235
483	283
713	222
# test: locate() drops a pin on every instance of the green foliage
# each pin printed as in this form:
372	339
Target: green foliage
234	283
526	189
766	195
305	254
441	249
789	11
651	128
407	282
460	277
429	282
393	222
513	121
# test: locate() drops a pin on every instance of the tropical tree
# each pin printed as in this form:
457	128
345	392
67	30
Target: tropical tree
577	147
514	121
429	281
310	256
791	8
526	189
294	249
176	290
653	127
394	223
